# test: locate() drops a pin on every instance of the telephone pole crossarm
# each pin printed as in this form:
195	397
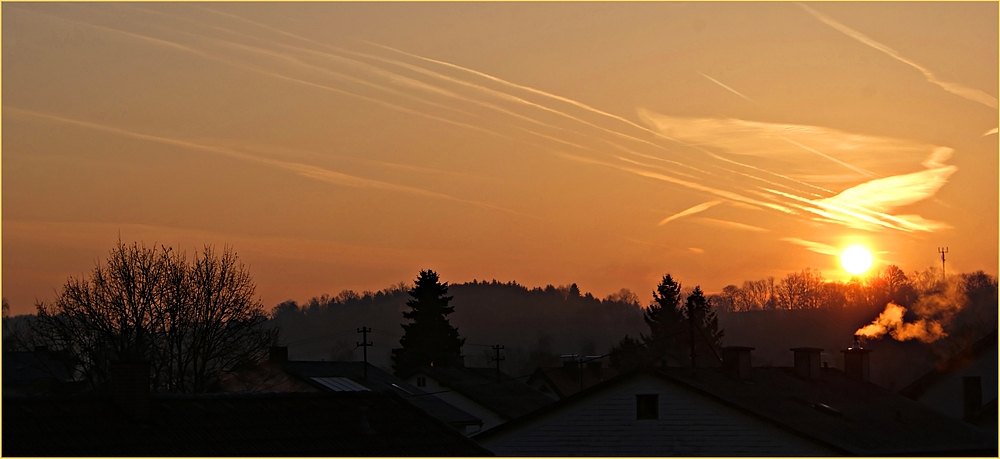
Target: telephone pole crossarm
497	348
364	344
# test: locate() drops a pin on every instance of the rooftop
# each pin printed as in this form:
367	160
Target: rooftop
507	397
277	424
834	410
379	380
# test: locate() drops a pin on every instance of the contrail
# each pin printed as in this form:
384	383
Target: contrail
489	91
813	150
685	183
713	155
817	247
974	95
732	225
284	77
727	87
531	90
689	211
304	170
502	95
991	131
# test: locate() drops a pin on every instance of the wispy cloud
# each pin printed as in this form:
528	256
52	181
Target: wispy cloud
887	193
697	250
531	90
974	95
713	80
801	146
729	195
689	211
731	225
870	205
824	155
990	132
304	170
817	247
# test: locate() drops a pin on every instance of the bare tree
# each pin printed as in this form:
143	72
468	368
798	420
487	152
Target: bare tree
801	290
623	295
190	320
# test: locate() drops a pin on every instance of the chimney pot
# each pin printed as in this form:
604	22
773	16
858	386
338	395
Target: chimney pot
736	362
856	363
807	362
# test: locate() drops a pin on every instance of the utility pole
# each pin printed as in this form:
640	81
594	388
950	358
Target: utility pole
364	343
497	359
942	251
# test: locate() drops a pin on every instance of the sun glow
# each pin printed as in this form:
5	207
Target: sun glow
856	259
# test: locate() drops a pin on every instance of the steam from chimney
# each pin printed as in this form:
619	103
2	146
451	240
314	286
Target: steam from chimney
934	310
891	321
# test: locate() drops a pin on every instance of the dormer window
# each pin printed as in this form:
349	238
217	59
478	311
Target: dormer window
421	381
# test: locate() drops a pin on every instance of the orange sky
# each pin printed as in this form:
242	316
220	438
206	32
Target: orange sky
350	145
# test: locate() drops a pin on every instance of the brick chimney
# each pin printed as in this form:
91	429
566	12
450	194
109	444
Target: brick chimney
807	362
736	362
130	388
856	363
278	355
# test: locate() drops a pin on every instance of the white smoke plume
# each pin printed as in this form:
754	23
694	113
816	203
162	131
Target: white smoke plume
891	321
935	309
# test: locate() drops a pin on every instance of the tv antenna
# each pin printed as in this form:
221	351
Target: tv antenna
942	251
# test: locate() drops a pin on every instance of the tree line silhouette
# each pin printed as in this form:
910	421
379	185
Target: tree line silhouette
191	319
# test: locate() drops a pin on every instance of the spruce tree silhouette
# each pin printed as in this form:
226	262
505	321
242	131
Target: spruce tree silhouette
666	341
708	337
429	339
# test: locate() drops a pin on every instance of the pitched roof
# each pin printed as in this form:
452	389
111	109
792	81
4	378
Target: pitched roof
834	411
956	363
379	380
277	424
507	397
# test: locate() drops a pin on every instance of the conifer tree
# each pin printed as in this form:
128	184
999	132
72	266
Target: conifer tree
665	319
429	338
707	336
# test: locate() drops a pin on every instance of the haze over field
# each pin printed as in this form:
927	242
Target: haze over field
349	145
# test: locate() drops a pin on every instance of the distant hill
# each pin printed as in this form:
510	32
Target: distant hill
535	326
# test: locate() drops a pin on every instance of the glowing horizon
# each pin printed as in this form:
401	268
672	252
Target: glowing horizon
348	146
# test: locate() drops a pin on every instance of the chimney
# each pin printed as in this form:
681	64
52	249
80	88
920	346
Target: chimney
856	363
736	362
807	362
278	355
130	388
594	365
570	364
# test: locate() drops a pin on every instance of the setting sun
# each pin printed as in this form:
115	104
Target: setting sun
856	259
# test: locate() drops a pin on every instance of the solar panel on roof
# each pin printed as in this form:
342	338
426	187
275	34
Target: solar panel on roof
339	384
